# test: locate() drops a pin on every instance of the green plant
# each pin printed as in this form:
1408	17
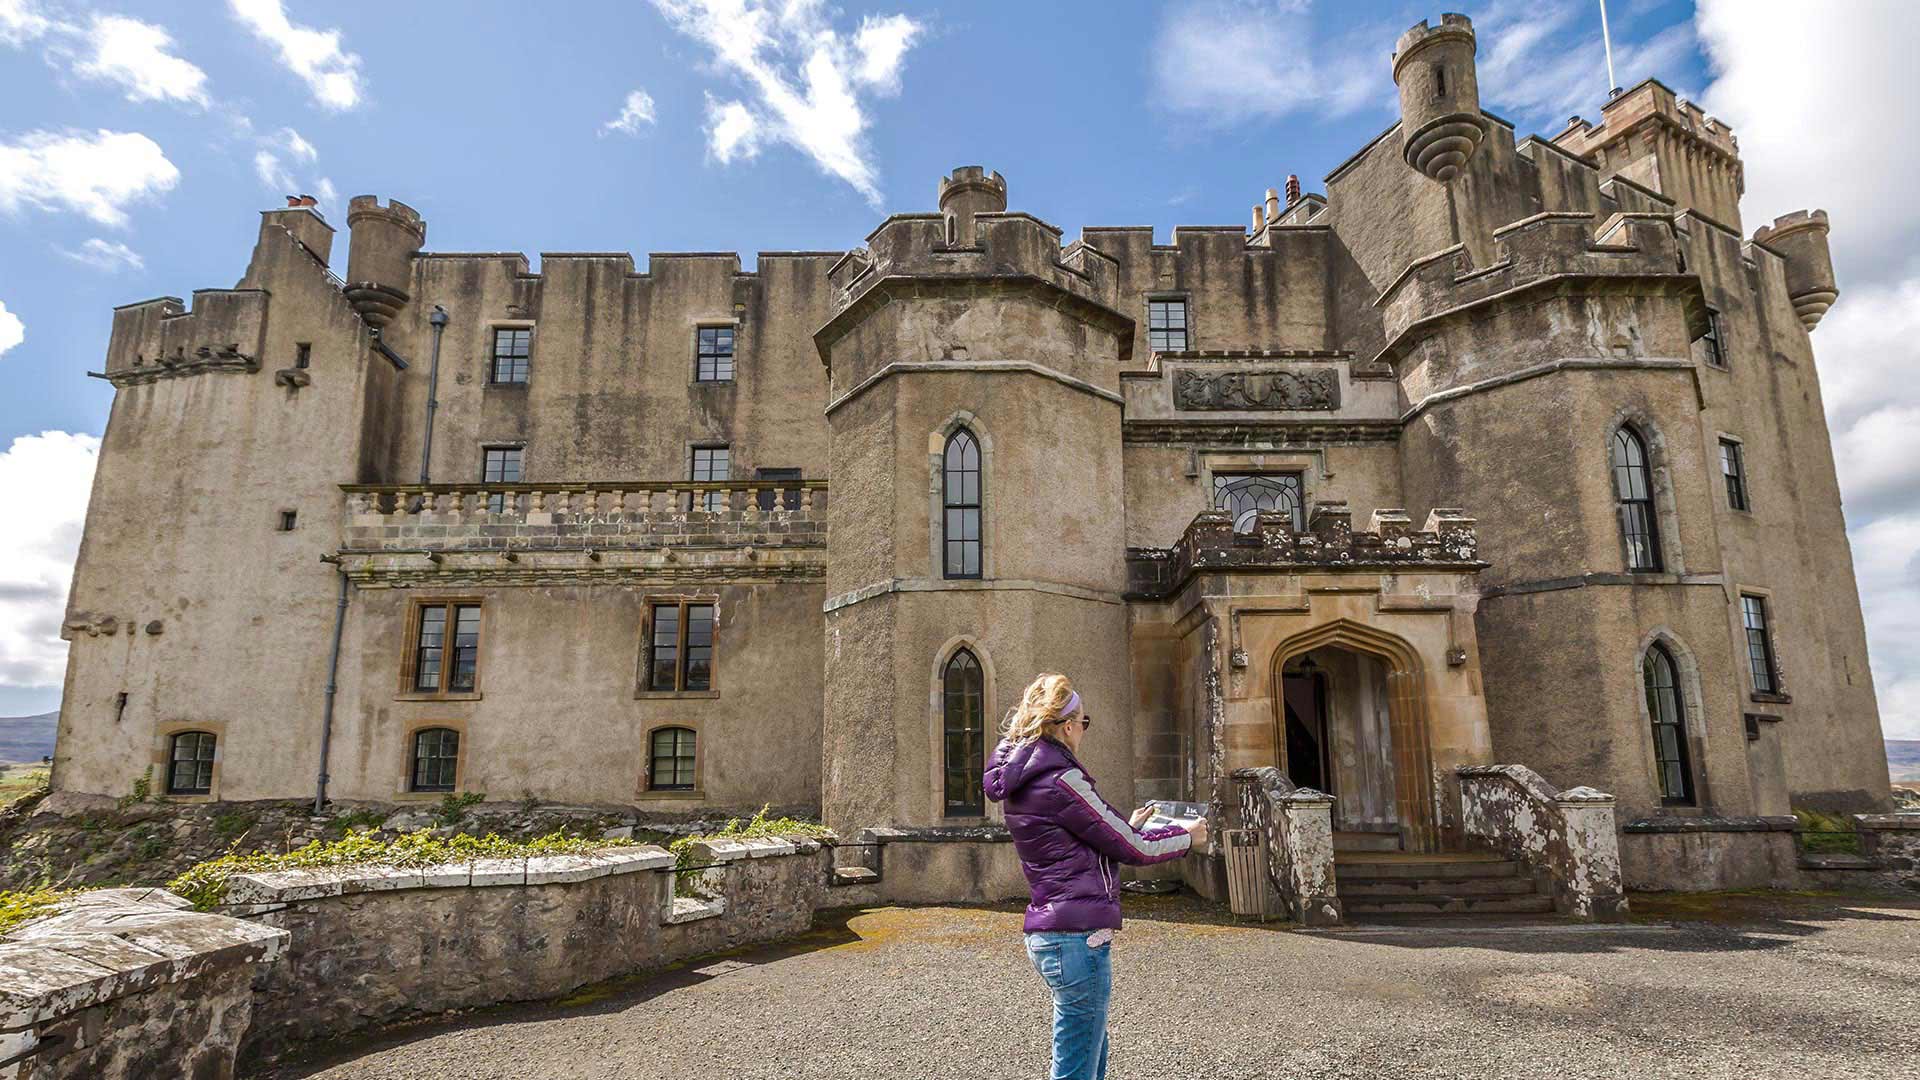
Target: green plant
758	827
232	823
24	905
453	808
205	885
356	821
1827	834
142	789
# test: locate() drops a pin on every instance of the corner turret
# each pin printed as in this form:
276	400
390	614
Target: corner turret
1801	239
380	256
968	191
1440	121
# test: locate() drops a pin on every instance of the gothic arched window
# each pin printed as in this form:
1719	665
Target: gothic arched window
960	505
1669	716
1633	489
963	733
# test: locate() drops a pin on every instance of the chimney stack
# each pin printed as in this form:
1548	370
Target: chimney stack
1293	189
299	202
1273	205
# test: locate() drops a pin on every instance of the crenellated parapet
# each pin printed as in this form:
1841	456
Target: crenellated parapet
225	330
1211	544
1801	239
1440	121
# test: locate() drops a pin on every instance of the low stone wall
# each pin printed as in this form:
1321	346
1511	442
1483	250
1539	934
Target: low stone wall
1296	825
127	983
1566	836
972	865
373	946
1692	854
1889	856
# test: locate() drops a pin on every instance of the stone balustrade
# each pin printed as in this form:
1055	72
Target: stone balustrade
1329	542
1565	836
625	515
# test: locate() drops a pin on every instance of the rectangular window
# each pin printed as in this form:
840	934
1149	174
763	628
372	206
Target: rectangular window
1766	677
787	498
1734	468
713	354
446	648
288	519
511	348
302	355
1167	325
190	764
711	463
680	648
1712	349
671	768
499	465
436	760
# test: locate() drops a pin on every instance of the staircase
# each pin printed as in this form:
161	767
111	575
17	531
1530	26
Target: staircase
1374	883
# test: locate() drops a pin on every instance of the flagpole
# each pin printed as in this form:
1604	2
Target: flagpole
1606	37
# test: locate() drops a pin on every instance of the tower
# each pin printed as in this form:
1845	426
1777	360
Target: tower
1440	121
969	190
380	256
1801	239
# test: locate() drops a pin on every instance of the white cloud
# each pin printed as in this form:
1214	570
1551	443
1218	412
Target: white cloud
135	55
1228	61
94	174
106	255
21	22
297	146
12	330
331	73
1542	62
1824	131
53	473
806	80
278	178
636	110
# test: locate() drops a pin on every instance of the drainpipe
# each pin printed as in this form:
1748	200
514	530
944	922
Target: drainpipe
333	684
439	321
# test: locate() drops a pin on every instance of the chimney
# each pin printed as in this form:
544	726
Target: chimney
301	218
1293	189
1273	205
295	202
1259	216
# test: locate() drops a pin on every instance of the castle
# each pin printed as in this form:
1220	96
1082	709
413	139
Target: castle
1499	452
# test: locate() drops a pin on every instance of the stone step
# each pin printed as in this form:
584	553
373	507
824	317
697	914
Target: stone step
1399	888
1365	841
1450	905
1415	867
855	875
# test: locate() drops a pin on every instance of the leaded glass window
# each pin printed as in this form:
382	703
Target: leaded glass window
436	759
963	726
1244	495
446	662
671	767
1167	325
713	354
1665	709
960	505
512	347
190	763
1633	488
1753	612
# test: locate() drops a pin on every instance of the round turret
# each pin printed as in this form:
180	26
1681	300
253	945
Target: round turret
380	256
969	190
1801	238
1440	121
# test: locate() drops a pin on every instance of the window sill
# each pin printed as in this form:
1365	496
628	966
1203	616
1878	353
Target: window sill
693	695
713	382
689	794
1774	699
410	796
475	696
505	385
211	796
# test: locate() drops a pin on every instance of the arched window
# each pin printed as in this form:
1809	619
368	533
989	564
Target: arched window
960	500
671	768
963	723
436	760
190	763
1633	488
1669	716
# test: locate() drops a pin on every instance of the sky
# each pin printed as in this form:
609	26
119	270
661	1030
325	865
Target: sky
137	141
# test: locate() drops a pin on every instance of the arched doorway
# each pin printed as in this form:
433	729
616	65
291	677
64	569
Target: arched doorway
1356	695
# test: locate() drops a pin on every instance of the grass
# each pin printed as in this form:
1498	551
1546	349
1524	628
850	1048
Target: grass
205	885
1827	834
18	907
758	827
19	781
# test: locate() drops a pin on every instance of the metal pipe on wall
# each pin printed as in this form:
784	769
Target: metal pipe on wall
439	321
333	684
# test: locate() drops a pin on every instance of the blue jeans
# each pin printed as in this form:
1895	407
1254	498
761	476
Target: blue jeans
1082	981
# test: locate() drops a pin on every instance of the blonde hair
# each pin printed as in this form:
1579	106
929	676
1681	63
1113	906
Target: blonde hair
1039	708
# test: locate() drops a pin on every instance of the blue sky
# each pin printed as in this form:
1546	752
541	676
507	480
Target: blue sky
137	140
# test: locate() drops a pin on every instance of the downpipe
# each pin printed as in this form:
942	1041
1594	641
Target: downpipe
333	684
439	321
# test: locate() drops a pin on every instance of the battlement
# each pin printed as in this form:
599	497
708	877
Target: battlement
161	339
1453	27
972	177
1787	224
1007	246
361	207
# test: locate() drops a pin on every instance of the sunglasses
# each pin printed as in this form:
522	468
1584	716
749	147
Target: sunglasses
1085	721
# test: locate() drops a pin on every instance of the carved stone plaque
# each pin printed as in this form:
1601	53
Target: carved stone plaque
1317	388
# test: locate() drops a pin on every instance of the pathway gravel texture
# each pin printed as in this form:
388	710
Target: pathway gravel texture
1741	986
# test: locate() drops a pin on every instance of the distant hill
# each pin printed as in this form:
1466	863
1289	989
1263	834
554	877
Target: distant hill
1903	760
30	738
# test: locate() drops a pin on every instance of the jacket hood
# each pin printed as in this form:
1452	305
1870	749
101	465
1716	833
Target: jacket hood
1015	765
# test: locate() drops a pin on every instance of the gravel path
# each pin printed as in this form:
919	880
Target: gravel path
1743	987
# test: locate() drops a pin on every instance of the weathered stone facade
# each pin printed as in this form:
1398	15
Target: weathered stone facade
1336	495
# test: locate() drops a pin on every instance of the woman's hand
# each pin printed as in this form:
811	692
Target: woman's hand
1198	830
1140	816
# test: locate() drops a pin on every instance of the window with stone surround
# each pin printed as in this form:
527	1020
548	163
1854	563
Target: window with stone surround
444	653
1760	655
436	760
1167	324
1244	495
711	463
680	646
963	724
512	349
190	763
960	502
1733	468
500	465
1664	706
1712	348
1633	491
671	759
713	354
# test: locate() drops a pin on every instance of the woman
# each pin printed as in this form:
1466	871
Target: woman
1069	840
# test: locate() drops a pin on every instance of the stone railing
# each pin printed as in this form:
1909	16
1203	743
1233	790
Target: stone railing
1297	824
1211	544
126	983
585	516
372	945
1565	836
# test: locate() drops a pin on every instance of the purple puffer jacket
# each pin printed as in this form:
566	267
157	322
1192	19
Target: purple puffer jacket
1068	837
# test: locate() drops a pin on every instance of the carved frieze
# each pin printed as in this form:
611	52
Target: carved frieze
1203	391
